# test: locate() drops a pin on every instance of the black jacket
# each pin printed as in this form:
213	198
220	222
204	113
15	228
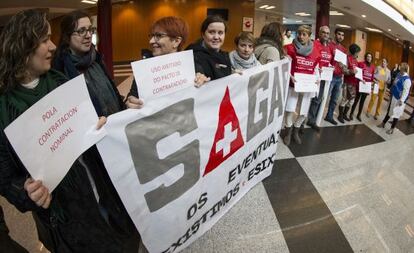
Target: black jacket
209	62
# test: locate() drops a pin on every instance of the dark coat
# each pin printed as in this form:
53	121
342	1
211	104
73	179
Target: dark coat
74	221
209	62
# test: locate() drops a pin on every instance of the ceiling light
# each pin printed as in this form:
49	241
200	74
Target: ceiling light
299	21
88	2
411	47
397	39
389	30
343	26
335	13
364	16
302	14
284	18
270	7
263	6
373	29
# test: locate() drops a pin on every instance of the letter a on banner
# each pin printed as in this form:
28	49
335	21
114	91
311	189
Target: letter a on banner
228	138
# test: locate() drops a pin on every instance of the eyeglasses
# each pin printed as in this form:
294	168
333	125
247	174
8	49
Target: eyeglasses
157	36
83	31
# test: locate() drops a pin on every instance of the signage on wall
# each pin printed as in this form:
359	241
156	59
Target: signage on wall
247	24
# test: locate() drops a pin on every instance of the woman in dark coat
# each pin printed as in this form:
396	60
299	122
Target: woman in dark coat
84	212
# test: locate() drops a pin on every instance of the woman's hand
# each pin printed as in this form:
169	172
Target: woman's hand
101	122
133	102
238	71
200	79
38	192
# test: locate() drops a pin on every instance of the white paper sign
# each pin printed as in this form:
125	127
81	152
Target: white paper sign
340	56
376	89
305	82
398	111
327	73
165	74
358	73
182	161
50	135
365	87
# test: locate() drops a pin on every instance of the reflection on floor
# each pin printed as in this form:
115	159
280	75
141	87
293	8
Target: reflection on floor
347	188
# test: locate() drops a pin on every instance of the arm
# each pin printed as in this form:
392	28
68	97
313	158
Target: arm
406	90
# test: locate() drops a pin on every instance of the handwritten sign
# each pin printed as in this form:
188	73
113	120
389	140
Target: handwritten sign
327	73
305	83
358	73
340	56
50	135
365	87
165	74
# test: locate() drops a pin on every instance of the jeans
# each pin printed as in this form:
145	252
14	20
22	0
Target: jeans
334	92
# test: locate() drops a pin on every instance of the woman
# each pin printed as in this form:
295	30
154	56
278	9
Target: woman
84	212
168	35
209	59
269	45
399	96
350	87
77	55
368	70
243	57
383	77
305	60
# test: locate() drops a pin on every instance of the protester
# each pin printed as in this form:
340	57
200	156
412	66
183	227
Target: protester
394	72
326	59
209	59
77	55
305	59
368	70
269	45
383	77
336	83
84	212
350	83
399	96
168	35
243	57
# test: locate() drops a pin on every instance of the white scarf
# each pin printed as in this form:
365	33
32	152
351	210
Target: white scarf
239	63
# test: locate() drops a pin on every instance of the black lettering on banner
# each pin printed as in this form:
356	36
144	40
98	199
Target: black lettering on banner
143	139
277	91
257	81
196	206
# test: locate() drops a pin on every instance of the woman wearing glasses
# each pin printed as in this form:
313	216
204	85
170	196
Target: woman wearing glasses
84	212
167	36
77	55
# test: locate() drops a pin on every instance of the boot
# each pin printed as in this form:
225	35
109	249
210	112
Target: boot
286	139
381	125
302	128
296	135
346	109
359	117
341	114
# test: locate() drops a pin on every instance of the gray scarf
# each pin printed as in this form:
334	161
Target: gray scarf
239	63
303	50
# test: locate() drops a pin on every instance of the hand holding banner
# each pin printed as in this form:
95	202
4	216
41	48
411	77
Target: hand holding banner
56	132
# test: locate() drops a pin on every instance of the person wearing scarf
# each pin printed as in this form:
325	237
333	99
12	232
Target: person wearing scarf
368	70
243	57
209	59
399	93
77	55
269	45
83	213
305	59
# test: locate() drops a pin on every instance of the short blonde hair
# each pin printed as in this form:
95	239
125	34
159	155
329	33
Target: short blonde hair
245	36
306	29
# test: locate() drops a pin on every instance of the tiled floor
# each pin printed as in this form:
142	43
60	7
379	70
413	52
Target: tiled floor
348	188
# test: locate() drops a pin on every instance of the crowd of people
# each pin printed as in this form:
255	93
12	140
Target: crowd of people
85	213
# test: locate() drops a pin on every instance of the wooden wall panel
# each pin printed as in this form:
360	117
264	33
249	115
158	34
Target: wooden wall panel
131	22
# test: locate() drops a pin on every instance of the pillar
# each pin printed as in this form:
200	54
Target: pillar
105	33
322	14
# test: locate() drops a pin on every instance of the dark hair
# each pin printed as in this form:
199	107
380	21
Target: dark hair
20	37
212	19
175	27
366	54
68	26
354	48
273	32
338	29
246	36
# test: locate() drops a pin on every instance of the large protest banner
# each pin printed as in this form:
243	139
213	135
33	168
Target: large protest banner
181	162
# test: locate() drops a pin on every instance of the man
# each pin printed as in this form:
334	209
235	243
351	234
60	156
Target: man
337	79
326	59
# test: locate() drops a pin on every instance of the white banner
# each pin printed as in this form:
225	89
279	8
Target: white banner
165	74
57	130
181	162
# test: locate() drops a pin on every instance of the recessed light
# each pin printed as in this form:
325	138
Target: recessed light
299	21
397	39
270	7
263	6
302	14
88	2
373	29
411	47
364	16
389	30
335	13
343	26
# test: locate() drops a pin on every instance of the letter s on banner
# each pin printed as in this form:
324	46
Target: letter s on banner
143	140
